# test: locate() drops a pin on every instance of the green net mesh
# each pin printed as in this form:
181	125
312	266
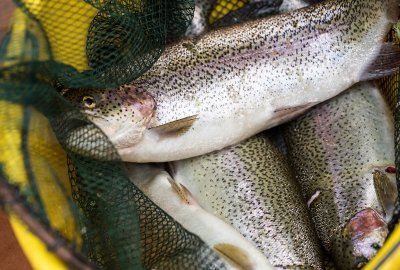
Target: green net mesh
390	88
103	219
106	43
228	12
102	215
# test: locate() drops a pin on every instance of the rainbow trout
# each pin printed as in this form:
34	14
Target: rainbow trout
250	10
343	153
208	93
289	5
177	201
251	187
199	24
241	11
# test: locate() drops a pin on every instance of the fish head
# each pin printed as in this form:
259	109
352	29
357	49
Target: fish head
123	114
360	239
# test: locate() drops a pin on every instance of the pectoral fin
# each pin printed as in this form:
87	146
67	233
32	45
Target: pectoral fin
386	63
178	127
285	114
386	191
235	255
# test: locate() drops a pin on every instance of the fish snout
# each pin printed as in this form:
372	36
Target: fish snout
366	233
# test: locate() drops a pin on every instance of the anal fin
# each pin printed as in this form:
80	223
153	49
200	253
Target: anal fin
386	63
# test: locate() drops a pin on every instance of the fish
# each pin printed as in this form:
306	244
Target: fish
342	152
207	15
251	10
251	187
176	200
240	80
289	5
199	23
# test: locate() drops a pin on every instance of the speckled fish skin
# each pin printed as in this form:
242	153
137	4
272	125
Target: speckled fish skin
251	187
289	5
246	78
154	182
250	11
337	150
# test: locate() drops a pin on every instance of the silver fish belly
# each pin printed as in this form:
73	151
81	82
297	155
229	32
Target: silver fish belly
343	155
244	79
232	83
174	199
251	187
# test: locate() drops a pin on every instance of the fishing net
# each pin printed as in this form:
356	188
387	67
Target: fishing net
227	12
85	209
390	86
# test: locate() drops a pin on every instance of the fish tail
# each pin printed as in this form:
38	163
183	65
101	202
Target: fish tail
386	63
392	9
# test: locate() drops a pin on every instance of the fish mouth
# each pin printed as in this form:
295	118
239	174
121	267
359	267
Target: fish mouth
367	231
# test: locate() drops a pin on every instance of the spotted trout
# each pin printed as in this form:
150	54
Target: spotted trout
288	5
207	14
176	200
251	187
247	10
343	155
199	23
207	93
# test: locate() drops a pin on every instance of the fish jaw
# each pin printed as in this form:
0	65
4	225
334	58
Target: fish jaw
361	237
140	108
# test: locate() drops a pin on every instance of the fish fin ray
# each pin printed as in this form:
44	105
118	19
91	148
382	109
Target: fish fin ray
234	254
386	192
386	63
177	127
182	191
170	168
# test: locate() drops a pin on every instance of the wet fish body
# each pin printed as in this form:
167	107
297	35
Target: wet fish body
234	82
343	154
174	199
199	22
289	5
251	187
250	11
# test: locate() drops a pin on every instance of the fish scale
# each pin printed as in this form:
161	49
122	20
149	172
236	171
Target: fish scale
336	148
251	187
240	80
175	200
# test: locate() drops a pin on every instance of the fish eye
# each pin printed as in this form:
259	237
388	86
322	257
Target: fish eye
89	102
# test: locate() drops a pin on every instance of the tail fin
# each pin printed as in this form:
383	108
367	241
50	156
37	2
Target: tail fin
392	9
386	63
